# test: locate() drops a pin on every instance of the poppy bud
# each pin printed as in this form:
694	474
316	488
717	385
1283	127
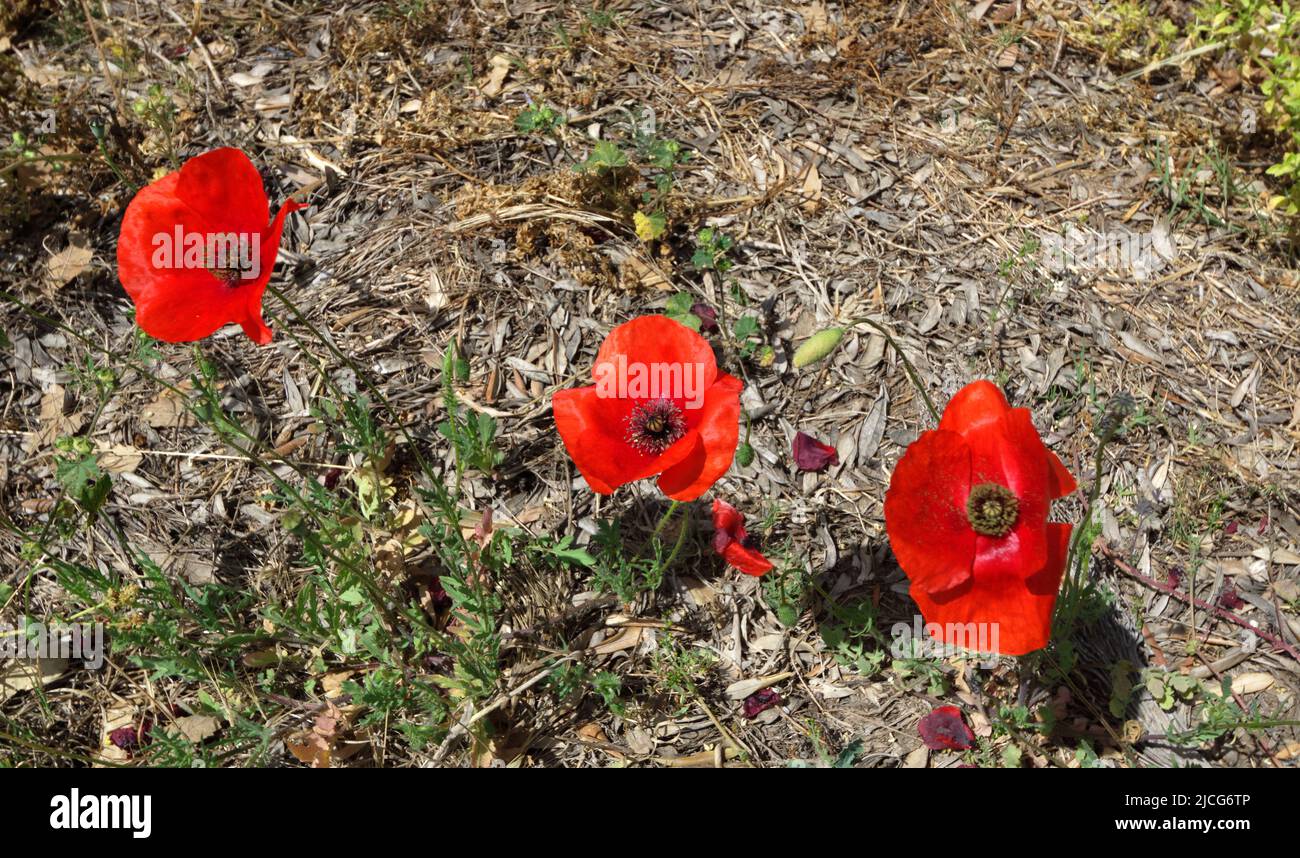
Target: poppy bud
818	346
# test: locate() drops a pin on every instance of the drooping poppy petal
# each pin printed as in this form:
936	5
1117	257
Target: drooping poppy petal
925	512
945	729
811	454
195	250
727	521
1060	481
731	540
719	433
592	426
966	514
659	407
1013	615
748	560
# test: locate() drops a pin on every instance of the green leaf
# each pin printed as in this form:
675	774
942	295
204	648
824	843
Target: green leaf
745	327
1011	757
680	304
77	474
649	226
848	755
665	154
84	482
605	155
537	119
95	495
678	308
579	556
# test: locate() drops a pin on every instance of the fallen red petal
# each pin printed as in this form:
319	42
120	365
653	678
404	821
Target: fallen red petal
811	454
708	317
945	729
760	701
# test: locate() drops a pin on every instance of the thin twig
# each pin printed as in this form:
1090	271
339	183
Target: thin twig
907	365
1171	590
103	61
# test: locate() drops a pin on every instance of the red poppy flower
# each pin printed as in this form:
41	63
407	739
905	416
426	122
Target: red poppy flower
659	407
731	540
196	250
966	513
945	729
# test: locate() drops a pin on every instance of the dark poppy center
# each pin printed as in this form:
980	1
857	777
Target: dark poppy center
654	426
992	509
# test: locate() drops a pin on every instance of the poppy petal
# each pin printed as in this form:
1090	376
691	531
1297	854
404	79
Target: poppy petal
1060	482
708	317
606	460
252	322
1010	453
719	434
651	340
223	187
925	512
760	701
945	729
975	406
729	540
1047	581
1010	617
811	454
747	560
727	519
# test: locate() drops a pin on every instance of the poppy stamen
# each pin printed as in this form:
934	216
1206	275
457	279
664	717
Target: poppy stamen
992	509
654	426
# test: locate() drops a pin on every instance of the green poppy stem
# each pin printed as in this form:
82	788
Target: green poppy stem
677	547
681	535
907	365
663	521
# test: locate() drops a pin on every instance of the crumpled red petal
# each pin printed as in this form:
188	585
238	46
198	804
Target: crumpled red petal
945	729
811	454
729	539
